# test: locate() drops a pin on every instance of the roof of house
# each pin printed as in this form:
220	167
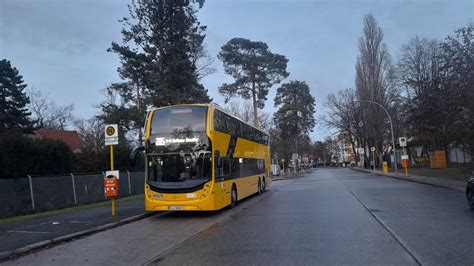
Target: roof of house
71	138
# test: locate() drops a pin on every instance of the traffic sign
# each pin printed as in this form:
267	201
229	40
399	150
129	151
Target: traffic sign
372	149
111	134
403	141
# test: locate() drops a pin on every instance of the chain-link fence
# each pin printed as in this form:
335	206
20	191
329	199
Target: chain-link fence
44	193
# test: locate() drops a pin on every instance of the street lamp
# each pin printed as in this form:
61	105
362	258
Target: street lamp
391	129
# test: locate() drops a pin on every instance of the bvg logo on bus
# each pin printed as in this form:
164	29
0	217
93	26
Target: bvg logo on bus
111	184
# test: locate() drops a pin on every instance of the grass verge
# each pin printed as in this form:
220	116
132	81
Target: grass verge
453	172
32	216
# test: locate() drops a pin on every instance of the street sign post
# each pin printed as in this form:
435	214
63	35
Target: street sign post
405	162
403	144
373	156
294	157
111	139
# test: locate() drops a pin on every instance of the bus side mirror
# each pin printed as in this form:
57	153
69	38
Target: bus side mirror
134	155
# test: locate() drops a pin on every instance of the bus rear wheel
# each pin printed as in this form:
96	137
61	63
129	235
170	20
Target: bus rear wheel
260	190
233	197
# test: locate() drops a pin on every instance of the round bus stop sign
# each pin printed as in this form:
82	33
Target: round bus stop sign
111	134
110	131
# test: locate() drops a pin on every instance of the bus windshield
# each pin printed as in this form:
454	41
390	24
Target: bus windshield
177	127
179	167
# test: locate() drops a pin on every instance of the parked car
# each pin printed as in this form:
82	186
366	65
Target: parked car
470	192
276	170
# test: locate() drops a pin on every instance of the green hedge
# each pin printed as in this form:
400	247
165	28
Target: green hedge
24	155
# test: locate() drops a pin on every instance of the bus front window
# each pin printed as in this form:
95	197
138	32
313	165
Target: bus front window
179	128
179	167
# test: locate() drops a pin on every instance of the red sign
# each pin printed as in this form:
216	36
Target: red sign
404	163
111	186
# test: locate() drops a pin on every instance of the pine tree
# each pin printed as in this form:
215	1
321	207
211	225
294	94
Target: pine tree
296	108
255	70
14	114
295	115
162	41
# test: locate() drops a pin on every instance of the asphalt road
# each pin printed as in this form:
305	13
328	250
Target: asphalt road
332	216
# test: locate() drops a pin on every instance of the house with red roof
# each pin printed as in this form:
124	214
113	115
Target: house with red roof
71	138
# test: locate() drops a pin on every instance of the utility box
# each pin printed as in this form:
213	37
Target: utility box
438	159
385	167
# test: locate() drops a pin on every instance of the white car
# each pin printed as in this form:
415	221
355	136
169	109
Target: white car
276	170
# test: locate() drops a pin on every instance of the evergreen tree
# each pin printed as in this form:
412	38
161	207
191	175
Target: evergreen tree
295	116
14	114
161	41
255	69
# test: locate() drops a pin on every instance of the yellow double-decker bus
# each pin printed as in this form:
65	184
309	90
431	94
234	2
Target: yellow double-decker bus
200	158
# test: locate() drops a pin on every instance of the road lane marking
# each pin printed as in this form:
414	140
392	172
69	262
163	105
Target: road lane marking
394	236
33	225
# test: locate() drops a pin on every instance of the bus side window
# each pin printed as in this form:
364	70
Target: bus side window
226	165
217	164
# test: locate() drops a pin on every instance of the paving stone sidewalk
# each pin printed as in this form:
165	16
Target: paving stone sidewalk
430	180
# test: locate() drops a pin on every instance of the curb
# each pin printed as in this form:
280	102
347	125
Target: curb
9	254
414	180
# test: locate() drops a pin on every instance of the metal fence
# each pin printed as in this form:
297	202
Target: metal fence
45	193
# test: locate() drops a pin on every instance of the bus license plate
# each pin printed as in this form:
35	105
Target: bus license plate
175	208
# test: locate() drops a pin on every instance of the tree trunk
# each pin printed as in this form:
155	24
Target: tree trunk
140	133
255	111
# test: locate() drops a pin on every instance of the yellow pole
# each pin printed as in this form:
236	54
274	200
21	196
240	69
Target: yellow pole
112	168
111	157
113	207
406	171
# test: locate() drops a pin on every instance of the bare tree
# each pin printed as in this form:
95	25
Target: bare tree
47	113
344	113
375	82
244	111
91	132
203	62
418	71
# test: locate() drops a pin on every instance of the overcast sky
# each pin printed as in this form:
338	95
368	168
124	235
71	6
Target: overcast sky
59	46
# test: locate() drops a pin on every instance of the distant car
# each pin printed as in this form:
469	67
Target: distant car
470	192
276	170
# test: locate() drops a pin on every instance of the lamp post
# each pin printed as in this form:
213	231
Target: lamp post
391	129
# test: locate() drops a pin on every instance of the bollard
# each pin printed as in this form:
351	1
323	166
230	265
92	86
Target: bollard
103	175
129	185
385	168
31	193
74	189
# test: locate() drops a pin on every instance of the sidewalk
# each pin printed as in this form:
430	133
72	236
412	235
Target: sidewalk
434	181
23	236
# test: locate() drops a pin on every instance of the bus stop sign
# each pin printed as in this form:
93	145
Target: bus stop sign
111	134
